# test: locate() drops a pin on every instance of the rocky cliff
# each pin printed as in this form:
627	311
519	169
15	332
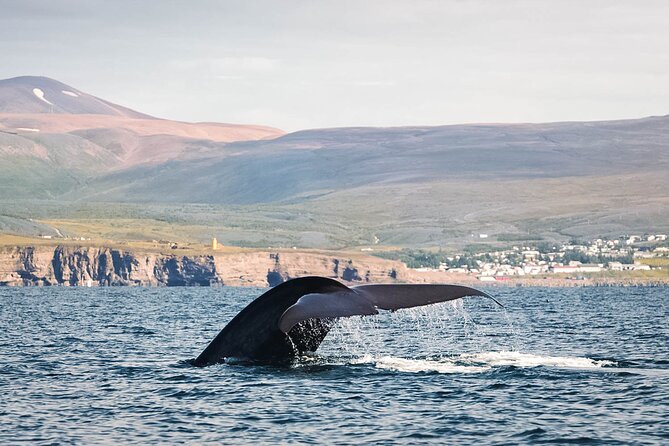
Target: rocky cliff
100	266
272	268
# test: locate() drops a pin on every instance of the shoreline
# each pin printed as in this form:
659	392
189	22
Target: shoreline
76	265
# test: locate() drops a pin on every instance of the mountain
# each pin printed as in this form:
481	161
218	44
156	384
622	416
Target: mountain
36	94
322	162
54	137
33	104
406	186
422	186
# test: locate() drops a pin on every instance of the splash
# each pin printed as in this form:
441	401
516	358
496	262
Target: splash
438	334
480	362
419	365
432	330
518	359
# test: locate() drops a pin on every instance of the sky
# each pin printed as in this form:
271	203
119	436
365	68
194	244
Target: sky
297	64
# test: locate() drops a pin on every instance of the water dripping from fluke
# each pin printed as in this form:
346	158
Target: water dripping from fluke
296	316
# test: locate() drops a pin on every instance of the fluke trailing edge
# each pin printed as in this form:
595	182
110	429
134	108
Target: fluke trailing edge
295	316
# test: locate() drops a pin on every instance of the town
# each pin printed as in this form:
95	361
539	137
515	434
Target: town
629	253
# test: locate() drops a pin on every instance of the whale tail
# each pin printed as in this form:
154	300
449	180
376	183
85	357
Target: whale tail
295	316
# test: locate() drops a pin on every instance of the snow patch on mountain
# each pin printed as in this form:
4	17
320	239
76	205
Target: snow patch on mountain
40	95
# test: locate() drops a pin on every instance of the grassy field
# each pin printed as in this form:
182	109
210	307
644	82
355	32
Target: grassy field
350	188
156	247
446	214
136	246
655	274
662	262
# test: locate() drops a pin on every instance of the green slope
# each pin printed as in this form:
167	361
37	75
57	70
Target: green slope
333	188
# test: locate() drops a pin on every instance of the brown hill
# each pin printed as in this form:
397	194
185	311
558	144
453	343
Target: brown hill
47	126
23	123
37	94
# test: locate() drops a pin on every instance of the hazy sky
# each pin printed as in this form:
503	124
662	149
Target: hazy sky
305	64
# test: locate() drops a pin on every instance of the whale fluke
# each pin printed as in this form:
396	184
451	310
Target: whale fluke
295	316
363	300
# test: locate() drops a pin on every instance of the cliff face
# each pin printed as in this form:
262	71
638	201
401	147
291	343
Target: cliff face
72	266
90	266
270	269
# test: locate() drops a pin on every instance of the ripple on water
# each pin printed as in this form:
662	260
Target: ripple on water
557	366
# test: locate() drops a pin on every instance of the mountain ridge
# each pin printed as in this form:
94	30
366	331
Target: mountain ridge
411	185
40	94
54	137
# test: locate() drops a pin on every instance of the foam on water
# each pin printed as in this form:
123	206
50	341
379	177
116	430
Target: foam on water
518	359
419	365
480	362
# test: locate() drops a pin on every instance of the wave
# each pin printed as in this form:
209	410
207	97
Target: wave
419	365
518	359
480	362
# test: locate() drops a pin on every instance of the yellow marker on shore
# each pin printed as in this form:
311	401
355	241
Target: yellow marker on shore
214	244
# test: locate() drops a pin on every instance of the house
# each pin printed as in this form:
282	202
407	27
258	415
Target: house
635	267
531	254
615	266
565	269
632	239
589	268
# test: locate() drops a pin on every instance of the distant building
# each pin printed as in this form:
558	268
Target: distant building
589	268
632	239
531	254
458	270
565	268
615	266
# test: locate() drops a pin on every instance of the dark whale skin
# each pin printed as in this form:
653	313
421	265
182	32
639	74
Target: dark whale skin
295	316
254	333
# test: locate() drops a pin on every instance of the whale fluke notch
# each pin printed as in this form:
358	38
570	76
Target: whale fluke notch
294	317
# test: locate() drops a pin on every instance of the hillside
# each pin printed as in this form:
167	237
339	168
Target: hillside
323	162
54	138
118	176
37	94
423	186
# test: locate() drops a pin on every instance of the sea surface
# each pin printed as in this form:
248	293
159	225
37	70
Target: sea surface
557	365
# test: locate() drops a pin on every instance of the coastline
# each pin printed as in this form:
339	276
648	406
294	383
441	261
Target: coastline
552	280
108	265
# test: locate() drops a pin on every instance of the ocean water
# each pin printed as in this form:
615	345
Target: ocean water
560	366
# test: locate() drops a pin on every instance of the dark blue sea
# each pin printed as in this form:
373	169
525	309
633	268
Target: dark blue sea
558	366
